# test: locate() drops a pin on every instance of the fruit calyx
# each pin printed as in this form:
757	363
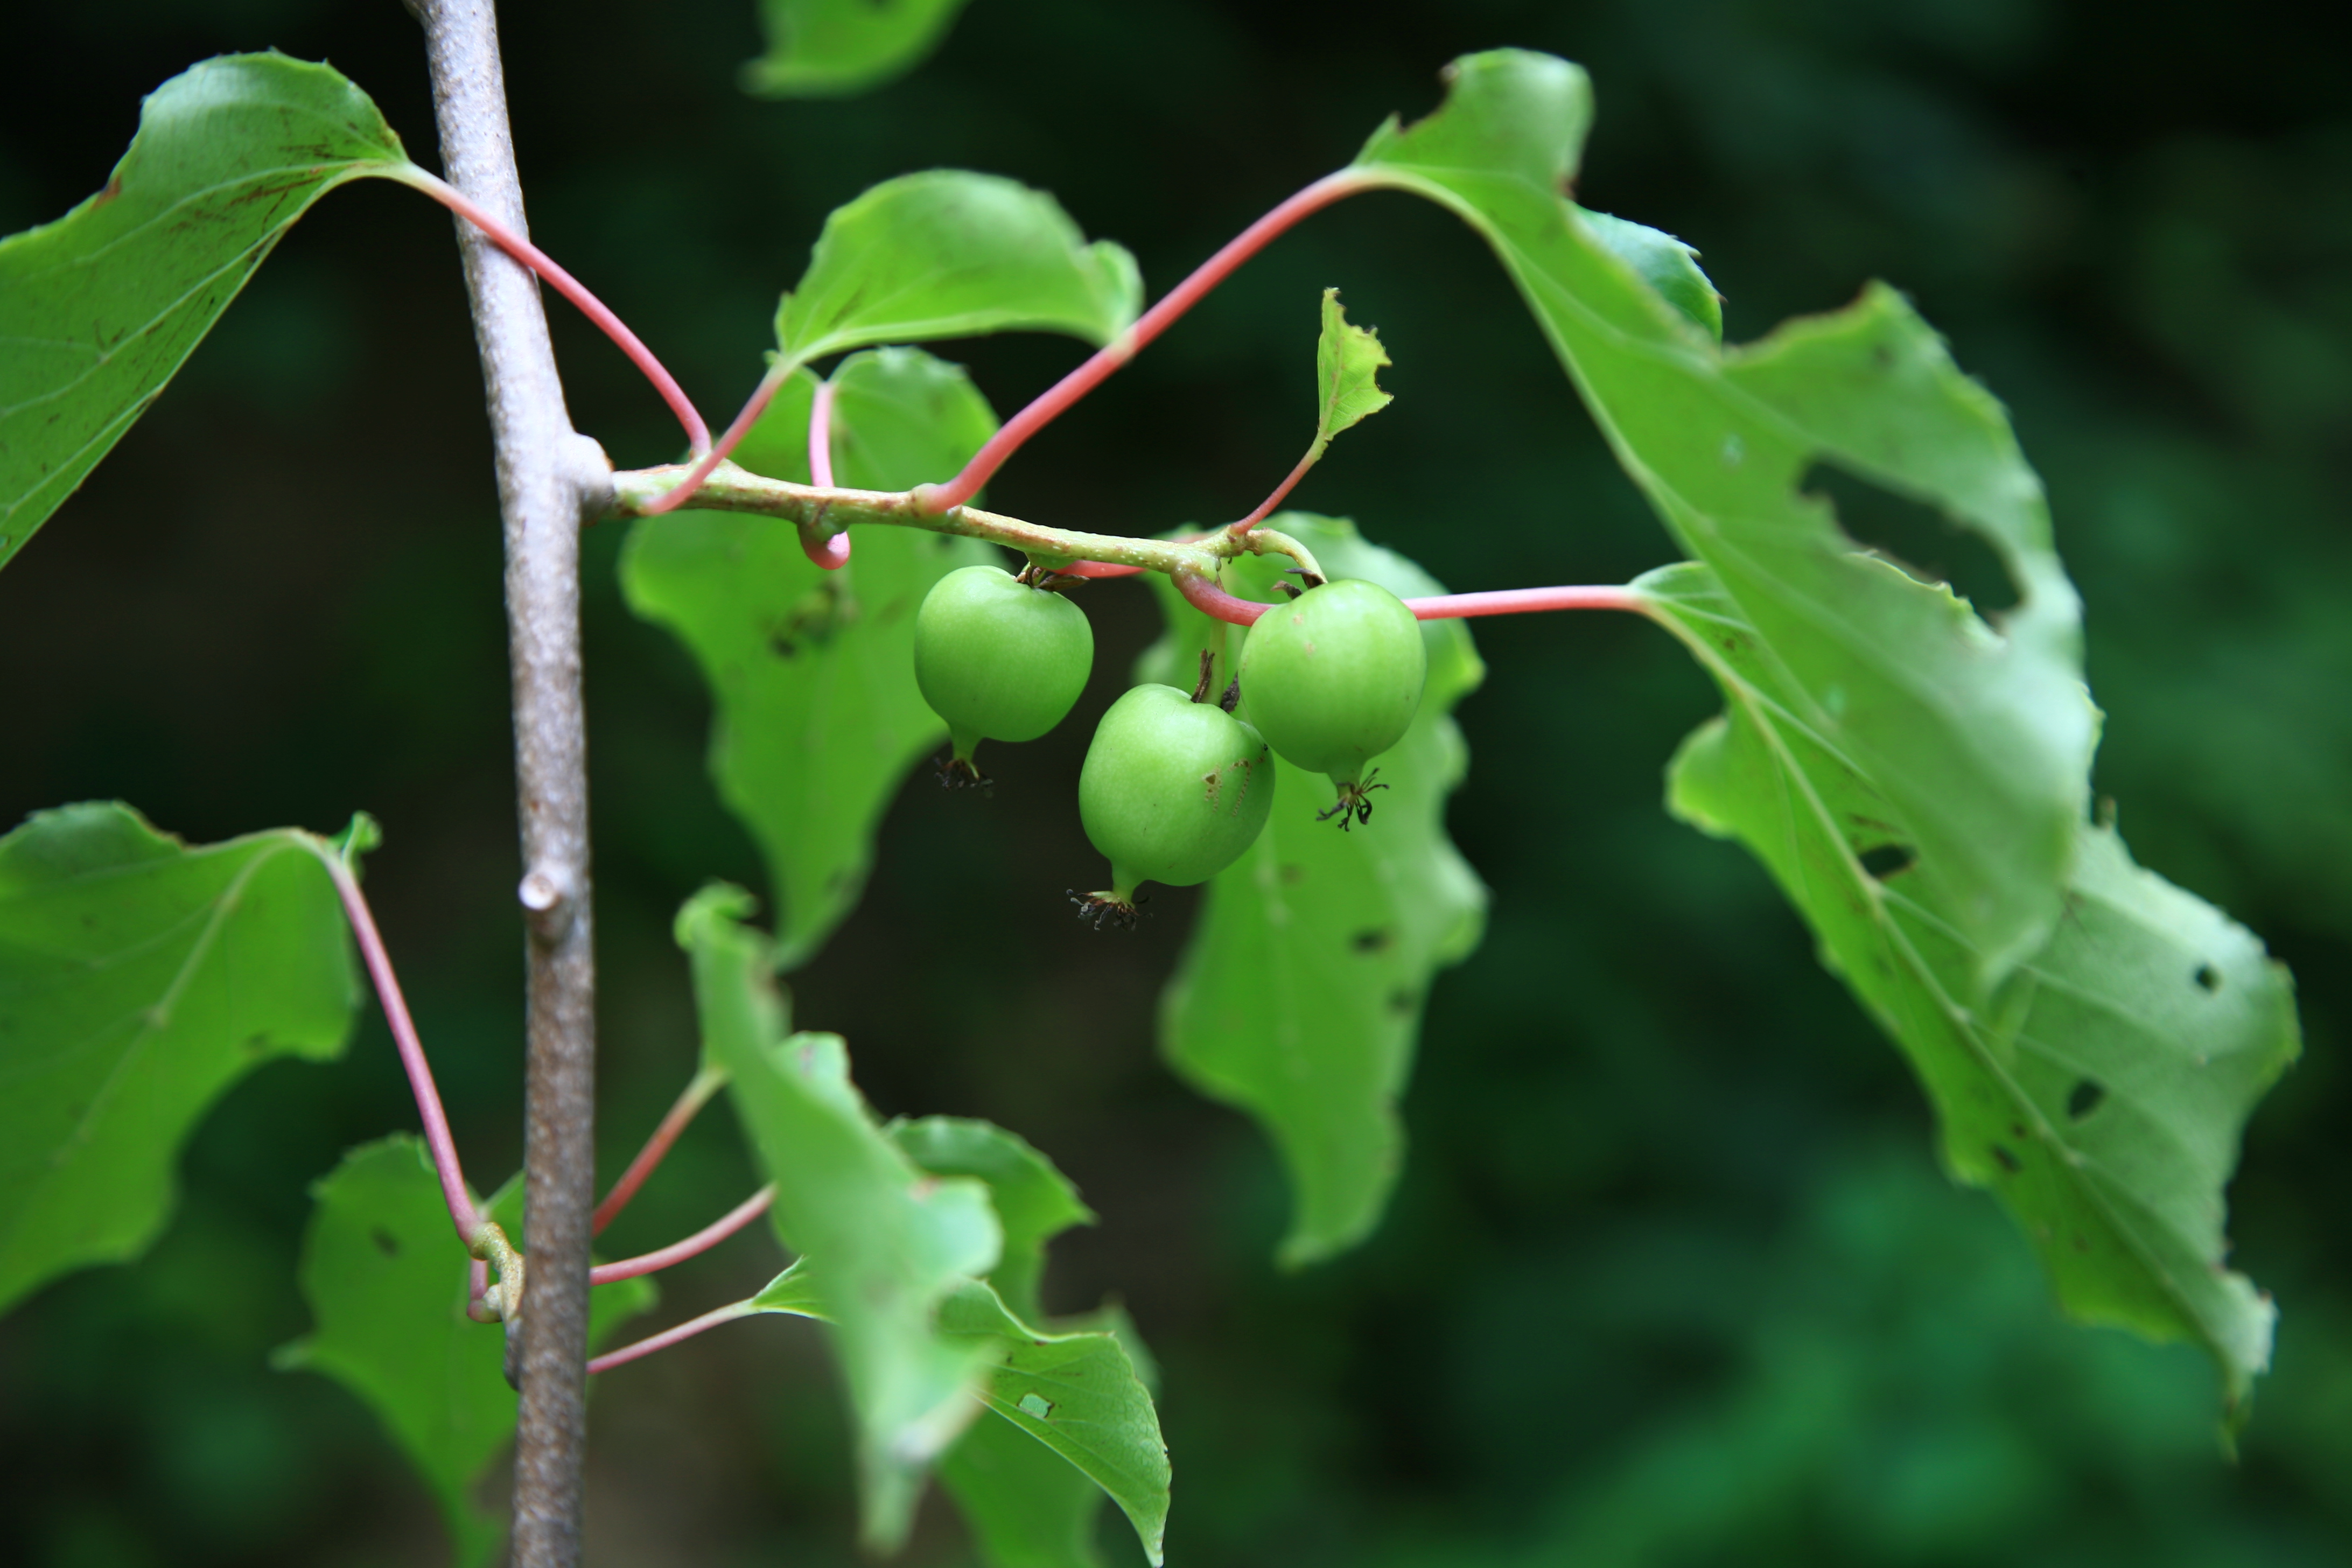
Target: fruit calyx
957	771
1354	803
1105	908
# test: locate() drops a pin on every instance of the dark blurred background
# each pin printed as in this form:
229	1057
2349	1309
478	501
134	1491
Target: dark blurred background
1672	1276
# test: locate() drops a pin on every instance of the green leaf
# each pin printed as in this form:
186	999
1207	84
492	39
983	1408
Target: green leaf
950	254
1033	1201
1980	741
1347	362
2101	1091
386	1280
1299	997
890	1240
140	978
812	672
1664	263
100	309
1077	1393
827	48
793	1293
1877	723
1026	1504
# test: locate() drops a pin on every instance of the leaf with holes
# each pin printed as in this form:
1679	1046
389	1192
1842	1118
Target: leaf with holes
1027	1504
100	308
950	254
386	1276
887	1241
1980	739
1076	1390
828	48
1299	997
1877	720
140	978
812	672
2101	1089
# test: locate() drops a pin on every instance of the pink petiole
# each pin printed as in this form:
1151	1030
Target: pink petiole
1265	507
697	434
702	1241
1207	597
761	395
1056	400
462	1212
689	1102
669	1337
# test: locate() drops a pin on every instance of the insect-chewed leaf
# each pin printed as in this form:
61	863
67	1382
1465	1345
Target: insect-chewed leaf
1028	1504
828	48
2101	1091
951	254
1299	997
386	1280
101	308
887	1241
811	671
1348	360
1980	740
1916	775
140	977
1076	1390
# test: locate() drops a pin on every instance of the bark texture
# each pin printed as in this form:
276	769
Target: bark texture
550	481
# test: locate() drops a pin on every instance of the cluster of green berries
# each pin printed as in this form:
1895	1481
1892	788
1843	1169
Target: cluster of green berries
1176	787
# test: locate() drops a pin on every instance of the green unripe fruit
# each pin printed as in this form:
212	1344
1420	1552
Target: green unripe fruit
1333	680
997	660
1172	791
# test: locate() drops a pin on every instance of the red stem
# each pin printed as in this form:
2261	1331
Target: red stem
1280	490
702	1241
669	1337
1205	597
1518	600
696	1095
1050	405
462	1212
833	553
752	410
564	283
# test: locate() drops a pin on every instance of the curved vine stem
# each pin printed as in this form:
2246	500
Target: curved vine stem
1190	563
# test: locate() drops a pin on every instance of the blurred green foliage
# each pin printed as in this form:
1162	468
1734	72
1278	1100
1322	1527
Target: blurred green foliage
1671	1276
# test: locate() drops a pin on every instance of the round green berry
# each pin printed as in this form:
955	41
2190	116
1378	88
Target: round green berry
1333	679
1172	792
998	659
